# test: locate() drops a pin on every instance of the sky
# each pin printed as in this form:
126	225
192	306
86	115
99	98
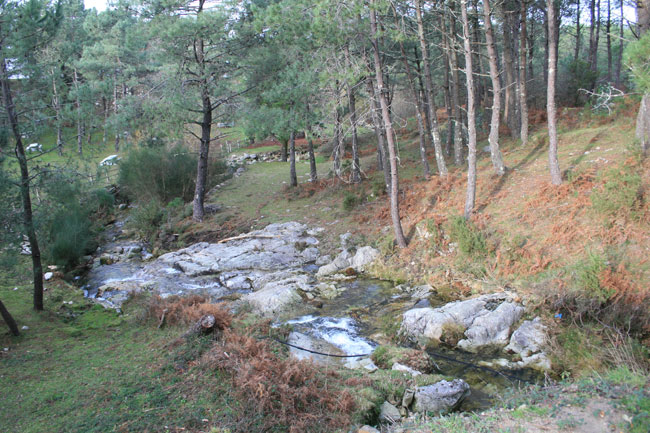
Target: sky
100	5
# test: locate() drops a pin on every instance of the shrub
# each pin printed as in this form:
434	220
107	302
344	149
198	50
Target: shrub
100	201
350	201
471	241
186	311
146	219
71	236
158	174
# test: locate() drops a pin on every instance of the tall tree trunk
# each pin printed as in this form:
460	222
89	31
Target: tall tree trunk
554	165
447	83
619	60
455	92
495	153
608	26
510	113
531	50
523	85
477	59
380	133
643	118
9	320
356	167
594	35
284	151
292	159
419	109
313	175
57	114
339	151
576	53
392	154
28	220
471	116
115	110
206	129
433	117
77	103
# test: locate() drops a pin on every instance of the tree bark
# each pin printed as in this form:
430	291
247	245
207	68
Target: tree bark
433	117
643	118
80	128
554	165
206	129
9	320
378	126
523	85
619	60
115	110
447	84
495	152
57	115
576	53
419	113
510	103
313	174
455	93
292	159
338	139
284	151
394	189
471	116
608	27
356	167
28	220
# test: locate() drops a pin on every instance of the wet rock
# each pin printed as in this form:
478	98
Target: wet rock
529	341
422	303
408	397
441	397
486	320
368	429
359	261
492	328
406	369
307	342
389	413
274	298
365	363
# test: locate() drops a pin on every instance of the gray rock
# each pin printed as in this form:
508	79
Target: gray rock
363	429
407	398
486	320
441	397
323	260
307	342
422	303
365	363
48	276
492	328
389	413
529	338
529	341
406	369
274	298
361	259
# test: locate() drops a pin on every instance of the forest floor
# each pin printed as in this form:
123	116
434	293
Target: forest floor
80	368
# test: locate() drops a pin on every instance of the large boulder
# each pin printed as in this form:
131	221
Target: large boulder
311	344
388	413
359	261
486	320
529	341
273	299
441	397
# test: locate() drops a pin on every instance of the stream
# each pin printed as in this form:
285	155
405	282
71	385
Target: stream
349	314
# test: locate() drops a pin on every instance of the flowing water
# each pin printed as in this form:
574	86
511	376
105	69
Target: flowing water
356	321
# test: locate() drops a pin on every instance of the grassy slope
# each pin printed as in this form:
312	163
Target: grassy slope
106	373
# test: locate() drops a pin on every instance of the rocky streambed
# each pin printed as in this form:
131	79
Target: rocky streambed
333	308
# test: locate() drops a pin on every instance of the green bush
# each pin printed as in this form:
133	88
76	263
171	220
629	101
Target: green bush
158	174
636	58
147	218
100	201
71	236
350	201
471	241
588	275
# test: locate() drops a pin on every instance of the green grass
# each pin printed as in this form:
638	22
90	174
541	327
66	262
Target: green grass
98	372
